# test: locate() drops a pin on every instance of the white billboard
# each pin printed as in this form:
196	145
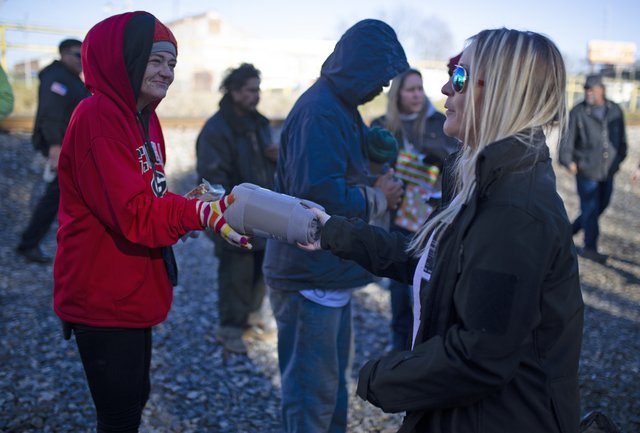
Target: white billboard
612	53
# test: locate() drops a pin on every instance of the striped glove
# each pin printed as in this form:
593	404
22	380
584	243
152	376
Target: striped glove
211	216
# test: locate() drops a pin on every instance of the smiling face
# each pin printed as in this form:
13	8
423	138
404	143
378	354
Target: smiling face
411	94
157	78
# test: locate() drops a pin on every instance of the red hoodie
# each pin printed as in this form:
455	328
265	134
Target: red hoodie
115	210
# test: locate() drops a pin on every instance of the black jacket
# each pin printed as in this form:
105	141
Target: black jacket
230	150
597	146
60	91
498	347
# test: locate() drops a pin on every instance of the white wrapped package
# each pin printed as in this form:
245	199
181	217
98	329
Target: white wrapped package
267	214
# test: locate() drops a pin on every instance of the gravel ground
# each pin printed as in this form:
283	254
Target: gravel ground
196	387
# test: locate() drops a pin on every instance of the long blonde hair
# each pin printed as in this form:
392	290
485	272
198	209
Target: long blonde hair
394	100
523	91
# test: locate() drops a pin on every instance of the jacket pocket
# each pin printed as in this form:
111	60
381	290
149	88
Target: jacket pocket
118	269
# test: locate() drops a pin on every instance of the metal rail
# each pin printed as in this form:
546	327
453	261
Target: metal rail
4	45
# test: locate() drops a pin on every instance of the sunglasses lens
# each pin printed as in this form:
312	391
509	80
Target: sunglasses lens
458	78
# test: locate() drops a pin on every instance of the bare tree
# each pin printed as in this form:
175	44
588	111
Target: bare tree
423	37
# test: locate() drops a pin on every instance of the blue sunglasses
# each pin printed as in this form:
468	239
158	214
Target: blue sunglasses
459	78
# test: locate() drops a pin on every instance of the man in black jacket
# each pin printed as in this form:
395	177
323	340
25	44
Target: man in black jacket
235	146
60	91
593	149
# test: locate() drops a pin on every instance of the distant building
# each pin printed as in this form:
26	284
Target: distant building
208	46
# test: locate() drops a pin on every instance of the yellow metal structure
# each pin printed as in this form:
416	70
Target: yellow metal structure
5	45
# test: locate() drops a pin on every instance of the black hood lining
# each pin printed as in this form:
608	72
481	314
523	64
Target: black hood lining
136	49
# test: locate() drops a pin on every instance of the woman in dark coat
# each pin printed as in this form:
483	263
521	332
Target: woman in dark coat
498	311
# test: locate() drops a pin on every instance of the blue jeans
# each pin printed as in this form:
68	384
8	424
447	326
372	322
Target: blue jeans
594	199
314	356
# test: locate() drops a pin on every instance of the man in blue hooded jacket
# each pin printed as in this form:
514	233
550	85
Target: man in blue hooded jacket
323	159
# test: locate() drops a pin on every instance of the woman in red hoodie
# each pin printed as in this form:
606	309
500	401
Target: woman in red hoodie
114	266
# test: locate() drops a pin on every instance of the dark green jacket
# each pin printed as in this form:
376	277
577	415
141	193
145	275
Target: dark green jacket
231	150
498	347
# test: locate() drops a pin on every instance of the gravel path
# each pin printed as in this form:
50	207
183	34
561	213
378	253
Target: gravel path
197	388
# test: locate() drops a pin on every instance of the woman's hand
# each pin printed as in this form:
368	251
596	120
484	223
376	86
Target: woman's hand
322	218
211	216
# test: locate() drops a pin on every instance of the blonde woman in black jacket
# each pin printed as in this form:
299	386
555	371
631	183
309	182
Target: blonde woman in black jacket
498	311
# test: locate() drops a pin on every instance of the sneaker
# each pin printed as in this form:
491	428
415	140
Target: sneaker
235	345
34	255
592	254
231	339
256	333
261	325
255	319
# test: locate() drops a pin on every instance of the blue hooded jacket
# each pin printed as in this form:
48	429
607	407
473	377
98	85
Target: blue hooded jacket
322	152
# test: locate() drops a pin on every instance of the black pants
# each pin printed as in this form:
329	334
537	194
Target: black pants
241	286
116	362
42	217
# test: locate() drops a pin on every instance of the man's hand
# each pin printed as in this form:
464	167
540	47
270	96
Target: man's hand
322	218
573	168
54	155
271	152
391	187
211	216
